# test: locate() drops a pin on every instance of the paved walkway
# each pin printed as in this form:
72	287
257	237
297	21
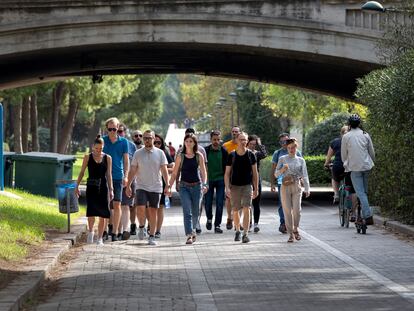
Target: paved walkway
332	268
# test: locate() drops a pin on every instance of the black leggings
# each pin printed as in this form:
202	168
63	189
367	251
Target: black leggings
256	205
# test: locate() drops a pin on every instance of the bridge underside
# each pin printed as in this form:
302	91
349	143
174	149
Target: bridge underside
329	75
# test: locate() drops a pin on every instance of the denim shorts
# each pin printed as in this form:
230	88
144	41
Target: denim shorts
117	184
143	197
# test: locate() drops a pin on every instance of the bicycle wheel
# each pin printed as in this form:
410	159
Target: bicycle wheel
346	217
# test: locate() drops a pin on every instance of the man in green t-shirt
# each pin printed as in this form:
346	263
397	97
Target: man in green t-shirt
216	166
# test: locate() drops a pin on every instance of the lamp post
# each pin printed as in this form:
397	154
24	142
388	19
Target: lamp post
219	105
375	6
233	96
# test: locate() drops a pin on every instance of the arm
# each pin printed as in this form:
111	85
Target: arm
344	152
281	168
175	172
203	172
255	181
227	181
305	178
131	176
329	156
109	177
126	169
164	172
261	153
81	173
272	177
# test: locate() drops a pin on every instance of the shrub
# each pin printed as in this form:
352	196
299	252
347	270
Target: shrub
318	138
390	97
317	174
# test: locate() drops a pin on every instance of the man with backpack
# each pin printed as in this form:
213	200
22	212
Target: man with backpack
217	159
241	182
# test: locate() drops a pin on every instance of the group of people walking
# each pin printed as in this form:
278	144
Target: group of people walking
129	182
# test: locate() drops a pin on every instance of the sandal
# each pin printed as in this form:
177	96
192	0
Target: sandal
189	240
297	236
290	240
194	237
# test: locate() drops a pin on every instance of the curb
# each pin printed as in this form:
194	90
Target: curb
26	285
393	225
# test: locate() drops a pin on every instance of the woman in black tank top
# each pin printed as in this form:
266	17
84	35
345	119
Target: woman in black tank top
190	165
99	190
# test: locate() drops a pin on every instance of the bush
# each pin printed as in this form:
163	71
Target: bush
44	139
318	138
318	176
389	94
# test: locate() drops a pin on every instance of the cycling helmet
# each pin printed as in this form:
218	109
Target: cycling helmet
354	120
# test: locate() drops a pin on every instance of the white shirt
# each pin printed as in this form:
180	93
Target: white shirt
357	151
149	164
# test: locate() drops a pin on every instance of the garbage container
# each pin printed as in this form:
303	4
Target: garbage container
64	189
8	169
37	172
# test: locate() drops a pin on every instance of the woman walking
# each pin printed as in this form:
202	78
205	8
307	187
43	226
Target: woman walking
254	144
99	190
189	164
293	169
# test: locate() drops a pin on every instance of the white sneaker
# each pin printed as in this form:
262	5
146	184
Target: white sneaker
89	238
151	241
141	233
100	242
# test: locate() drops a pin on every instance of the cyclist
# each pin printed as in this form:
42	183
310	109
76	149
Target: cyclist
357	152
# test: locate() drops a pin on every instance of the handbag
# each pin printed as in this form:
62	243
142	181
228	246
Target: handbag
288	180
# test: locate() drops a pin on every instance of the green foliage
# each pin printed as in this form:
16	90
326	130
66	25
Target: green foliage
44	139
319	137
389	94
317	174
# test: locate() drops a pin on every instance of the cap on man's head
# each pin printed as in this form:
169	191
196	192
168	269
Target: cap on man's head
190	130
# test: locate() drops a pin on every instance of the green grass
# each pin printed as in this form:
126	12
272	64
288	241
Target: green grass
77	167
23	222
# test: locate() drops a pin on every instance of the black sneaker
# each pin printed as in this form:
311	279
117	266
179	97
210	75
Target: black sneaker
256	229
119	236
158	235
237	236
125	235
208	224
282	228
245	239
114	238
105	235
110	228
198	231
133	230
218	230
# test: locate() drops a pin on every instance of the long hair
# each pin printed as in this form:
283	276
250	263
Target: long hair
194	138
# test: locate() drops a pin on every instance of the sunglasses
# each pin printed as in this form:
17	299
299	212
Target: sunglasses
112	129
120	131
148	138
157	142
137	135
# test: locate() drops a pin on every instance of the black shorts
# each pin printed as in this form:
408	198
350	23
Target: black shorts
338	173
143	197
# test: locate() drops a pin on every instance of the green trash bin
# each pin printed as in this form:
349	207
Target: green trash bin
37	172
8	169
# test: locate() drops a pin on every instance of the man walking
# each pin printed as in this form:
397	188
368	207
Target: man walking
137	139
276	156
241	175
230	146
127	202
217	159
149	165
117	147
358	155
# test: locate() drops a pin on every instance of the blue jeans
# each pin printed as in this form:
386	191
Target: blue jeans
190	200
219	186
280	209
360	183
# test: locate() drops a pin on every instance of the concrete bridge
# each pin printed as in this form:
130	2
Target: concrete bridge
322	45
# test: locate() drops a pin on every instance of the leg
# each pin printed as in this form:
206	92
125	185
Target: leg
359	181
152	220
296	206
236	204
160	218
133	214
229	224
287	207
280	208
124	218
186	205
256	205
101	226
236	219
219	203
117	216
91	222
196	199
246	219
209	203
141	215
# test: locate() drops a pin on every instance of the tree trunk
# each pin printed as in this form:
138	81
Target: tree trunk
58	97
94	131
5	119
17	121
66	133
25	123
34	123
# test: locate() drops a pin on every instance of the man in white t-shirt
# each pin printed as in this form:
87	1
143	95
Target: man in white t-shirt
148	166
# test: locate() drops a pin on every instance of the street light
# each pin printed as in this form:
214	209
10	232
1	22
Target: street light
233	95
375	6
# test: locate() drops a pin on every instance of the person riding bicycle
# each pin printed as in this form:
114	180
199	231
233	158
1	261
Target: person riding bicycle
358	155
337	169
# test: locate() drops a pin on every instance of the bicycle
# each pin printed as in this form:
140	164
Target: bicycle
345	203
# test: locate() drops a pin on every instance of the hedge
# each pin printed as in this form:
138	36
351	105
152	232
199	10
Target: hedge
318	176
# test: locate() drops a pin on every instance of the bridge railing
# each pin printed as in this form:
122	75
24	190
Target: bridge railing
377	21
